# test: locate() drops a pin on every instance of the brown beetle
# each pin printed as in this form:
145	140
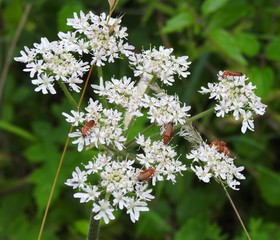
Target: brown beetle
146	174
168	132
221	147
227	73
87	126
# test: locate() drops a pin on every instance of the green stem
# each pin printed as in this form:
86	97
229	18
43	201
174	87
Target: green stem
99	72
200	115
236	212
93	228
20	132
116	151
195	117
71	100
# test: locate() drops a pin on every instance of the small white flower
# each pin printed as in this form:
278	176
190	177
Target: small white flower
89	194
222	108
119	199
81	140
104	211
79	23
237	108
76	119
45	84
248	122
142	192
94	167
73	80
233	183
202	173
35	67
26	56
140	140
134	207
78	180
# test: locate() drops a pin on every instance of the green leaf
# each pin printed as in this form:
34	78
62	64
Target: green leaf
248	44
224	43
263	78
249	147
178	23
43	178
229	14
12	14
273	49
210	6
82	226
41	152
196	199
44	130
198	228
152	224
17	131
261	230
269	182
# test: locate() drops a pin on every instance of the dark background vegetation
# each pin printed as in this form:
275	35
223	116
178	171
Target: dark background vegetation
216	34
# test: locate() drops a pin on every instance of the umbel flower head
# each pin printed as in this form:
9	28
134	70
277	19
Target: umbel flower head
208	162
119	187
99	126
234	95
98	36
160	63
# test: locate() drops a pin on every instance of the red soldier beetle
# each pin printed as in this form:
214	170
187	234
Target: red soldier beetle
227	73
168	132
87	126
221	147
146	174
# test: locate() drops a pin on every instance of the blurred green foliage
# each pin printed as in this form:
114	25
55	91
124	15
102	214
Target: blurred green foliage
215	34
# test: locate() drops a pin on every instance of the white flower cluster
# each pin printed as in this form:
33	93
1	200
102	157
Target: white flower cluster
122	92
99	36
159	63
47	62
100	126
118	188
165	108
208	162
160	157
234	95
